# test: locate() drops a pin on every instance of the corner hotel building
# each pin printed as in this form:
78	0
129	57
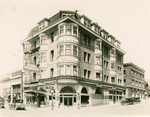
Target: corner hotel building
76	59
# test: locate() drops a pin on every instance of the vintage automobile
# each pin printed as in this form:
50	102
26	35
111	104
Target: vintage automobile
128	101
137	99
2	102
17	105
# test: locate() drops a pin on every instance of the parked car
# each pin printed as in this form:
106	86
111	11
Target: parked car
128	101
2	101
17	105
137	99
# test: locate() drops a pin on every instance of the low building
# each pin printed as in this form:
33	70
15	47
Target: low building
134	81
11	86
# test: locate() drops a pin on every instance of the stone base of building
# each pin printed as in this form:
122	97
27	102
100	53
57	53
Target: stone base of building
71	92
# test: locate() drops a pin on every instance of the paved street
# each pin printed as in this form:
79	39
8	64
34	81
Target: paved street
141	109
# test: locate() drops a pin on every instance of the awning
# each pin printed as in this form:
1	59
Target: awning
35	91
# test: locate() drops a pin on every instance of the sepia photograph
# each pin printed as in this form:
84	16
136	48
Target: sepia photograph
74	58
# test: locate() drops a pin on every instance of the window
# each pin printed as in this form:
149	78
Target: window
98	60
75	50
88	58
74	30
43	57
75	70
89	74
43	39
34	59
35	43
34	76
68	29
107	78
112	52
105	64
68	69
51	72
119	81
112	79
61	70
106	51
85	57
98	75
85	73
61	50
86	40
52	55
52	37
61	30
98	45
132	82
119	57
68	49
113	66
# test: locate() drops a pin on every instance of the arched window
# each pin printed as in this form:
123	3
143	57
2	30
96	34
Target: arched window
98	91
84	90
68	89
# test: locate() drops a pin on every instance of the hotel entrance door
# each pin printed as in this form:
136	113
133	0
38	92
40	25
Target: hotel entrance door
68	101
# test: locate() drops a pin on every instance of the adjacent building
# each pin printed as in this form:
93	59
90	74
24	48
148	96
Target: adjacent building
134	81
11	86
71	61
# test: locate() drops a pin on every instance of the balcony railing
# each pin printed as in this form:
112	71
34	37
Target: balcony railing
31	51
31	67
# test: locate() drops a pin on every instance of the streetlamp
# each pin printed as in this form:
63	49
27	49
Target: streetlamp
52	92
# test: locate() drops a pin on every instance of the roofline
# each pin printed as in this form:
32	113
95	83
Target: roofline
133	65
80	24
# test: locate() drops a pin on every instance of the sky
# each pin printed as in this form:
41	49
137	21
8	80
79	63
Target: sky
127	20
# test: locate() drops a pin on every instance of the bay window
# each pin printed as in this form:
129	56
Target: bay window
68	49
61	50
75	70
43	57
68	29
98	45
68	69
74	30
75	50
61	30
61	70
98	60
